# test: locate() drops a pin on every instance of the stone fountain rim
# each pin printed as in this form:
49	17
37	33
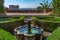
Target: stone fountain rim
25	34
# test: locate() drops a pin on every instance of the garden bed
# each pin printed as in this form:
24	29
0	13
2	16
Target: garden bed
49	23
10	23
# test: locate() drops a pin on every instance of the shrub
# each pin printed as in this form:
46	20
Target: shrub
1	6
49	22
4	35
11	19
11	23
55	35
56	7
51	18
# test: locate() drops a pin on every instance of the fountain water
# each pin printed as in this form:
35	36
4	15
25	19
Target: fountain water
28	31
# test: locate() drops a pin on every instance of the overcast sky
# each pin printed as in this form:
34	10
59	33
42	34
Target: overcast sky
24	3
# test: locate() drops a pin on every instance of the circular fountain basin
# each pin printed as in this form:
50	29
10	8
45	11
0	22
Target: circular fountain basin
34	30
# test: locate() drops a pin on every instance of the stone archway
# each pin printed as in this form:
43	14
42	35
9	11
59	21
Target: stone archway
1	6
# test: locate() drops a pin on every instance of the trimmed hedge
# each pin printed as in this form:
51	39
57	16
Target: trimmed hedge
48	23
10	25
4	35
55	35
12	20
51	19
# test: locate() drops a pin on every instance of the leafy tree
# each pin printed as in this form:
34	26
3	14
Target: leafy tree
56	8
1	6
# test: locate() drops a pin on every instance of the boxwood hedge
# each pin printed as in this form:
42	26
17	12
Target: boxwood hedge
48	22
55	35
11	23
49	18
12	19
4	35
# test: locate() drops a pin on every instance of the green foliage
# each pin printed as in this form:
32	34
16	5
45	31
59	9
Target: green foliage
56	7
10	23
39	8
49	22
12	19
48	19
4	35
44	5
1	6
55	35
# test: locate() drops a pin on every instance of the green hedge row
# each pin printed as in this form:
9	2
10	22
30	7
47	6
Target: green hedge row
10	25
48	24
4	35
12	20
49	18
55	35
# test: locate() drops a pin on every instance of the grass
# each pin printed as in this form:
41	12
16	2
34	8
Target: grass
55	35
4	35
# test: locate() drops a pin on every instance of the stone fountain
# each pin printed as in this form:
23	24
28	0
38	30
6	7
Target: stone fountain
28	31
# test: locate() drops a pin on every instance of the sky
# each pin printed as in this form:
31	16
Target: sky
24	3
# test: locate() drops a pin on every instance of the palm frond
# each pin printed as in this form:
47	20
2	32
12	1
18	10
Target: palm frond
49	5
42	5
45	5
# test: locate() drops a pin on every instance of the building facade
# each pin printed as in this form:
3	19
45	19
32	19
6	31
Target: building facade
13	7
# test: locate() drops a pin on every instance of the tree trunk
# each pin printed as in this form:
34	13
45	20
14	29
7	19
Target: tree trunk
44	10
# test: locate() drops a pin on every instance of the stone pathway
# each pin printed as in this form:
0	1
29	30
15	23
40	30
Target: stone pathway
46	34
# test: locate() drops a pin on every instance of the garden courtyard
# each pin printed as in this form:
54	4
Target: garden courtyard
49	23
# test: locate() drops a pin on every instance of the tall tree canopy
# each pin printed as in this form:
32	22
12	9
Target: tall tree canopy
1	6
